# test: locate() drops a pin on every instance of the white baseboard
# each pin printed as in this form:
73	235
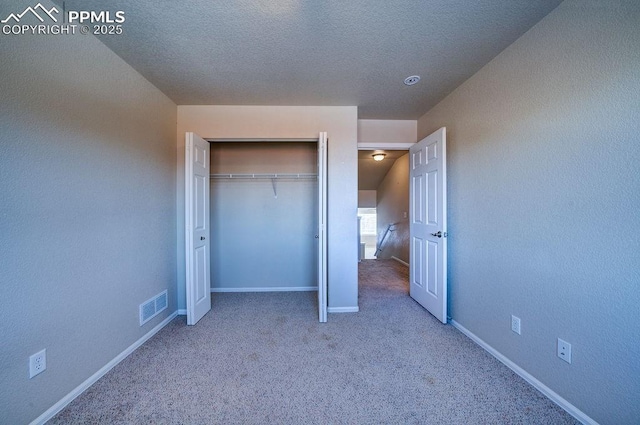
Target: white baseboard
343	309
182	312
399	261
552	395
268	289
53	410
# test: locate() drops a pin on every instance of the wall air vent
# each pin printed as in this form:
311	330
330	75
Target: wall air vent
161	302
152	307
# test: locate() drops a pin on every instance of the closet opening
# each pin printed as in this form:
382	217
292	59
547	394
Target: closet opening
264	216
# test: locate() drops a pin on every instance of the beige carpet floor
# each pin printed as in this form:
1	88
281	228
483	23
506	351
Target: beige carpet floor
262	358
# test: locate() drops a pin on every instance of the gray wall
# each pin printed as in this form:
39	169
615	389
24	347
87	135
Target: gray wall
392	204
260	240
544	201
366	199
87	212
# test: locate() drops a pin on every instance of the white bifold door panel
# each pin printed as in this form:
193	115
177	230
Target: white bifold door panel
428	226
197	232
322	227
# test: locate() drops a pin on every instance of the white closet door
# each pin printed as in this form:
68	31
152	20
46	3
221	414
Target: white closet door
197	232
322	227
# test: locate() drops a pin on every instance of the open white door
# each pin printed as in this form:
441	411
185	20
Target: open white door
322	227
428	228
198	273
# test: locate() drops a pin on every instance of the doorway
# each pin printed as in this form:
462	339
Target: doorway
414	190
368	228
237	233
383	204
263	203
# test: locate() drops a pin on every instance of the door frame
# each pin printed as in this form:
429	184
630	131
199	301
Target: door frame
364	146
322	289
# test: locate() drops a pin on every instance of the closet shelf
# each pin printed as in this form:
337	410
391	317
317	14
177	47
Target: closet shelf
265	176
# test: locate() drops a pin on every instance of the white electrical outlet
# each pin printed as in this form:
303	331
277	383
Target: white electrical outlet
37	363
515	324
564	350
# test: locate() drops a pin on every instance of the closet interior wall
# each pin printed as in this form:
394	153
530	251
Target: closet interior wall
262	229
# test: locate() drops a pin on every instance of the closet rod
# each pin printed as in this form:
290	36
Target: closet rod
265	176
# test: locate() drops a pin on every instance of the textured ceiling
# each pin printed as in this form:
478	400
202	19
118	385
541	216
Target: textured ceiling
371	172
314	52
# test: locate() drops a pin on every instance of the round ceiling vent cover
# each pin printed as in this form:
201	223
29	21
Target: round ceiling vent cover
412	80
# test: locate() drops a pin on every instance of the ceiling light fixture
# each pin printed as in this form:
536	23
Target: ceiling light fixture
378	156
412	80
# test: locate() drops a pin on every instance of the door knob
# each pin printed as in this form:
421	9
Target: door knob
202	238
316	236
438	235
